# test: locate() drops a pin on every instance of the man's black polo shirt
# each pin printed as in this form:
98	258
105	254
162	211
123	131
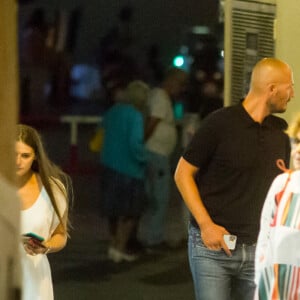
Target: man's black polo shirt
237	157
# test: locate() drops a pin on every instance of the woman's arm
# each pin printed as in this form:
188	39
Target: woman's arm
150	126
58	239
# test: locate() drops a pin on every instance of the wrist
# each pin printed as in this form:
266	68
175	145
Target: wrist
204	223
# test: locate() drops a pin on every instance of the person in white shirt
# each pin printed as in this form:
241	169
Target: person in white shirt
161	139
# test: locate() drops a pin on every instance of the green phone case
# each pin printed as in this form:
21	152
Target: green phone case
35	236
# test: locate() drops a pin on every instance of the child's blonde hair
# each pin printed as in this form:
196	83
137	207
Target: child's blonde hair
294	126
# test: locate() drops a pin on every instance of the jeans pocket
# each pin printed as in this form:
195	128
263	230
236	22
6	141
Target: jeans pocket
198	247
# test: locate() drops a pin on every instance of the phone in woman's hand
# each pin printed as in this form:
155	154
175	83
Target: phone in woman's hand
33	238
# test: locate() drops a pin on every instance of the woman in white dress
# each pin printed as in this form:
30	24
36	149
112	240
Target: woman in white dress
44	192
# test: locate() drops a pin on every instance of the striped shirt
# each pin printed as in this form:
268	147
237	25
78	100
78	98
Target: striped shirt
277	264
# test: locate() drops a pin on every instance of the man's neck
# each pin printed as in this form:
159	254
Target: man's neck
256	109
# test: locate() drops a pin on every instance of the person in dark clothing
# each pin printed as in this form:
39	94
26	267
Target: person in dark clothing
211	98
224	176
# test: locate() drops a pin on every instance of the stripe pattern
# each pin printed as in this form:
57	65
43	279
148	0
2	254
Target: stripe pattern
278	280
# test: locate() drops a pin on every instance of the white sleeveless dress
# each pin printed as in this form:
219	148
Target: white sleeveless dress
41	219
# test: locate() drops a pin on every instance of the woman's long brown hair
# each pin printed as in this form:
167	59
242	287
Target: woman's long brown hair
49	172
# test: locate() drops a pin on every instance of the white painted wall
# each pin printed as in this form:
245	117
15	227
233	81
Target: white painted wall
287	36
287	45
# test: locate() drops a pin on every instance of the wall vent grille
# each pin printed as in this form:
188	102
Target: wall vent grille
252	39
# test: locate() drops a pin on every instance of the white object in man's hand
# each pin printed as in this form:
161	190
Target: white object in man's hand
230	241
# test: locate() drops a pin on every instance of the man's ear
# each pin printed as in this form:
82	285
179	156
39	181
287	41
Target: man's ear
272	88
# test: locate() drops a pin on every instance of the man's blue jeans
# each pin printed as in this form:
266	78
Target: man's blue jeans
217	276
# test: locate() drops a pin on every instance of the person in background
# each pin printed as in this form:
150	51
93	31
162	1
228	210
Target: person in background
294	134
44	191
223	177
161	139
123	158
277	259
36	60
211	98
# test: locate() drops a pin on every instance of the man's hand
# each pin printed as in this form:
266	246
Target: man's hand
213	237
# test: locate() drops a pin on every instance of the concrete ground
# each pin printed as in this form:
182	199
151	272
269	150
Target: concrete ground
81	271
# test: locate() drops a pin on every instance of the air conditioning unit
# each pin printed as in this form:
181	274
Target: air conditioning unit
249	36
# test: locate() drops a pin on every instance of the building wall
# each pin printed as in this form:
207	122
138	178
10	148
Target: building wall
9	214
8	87
286	33
287	41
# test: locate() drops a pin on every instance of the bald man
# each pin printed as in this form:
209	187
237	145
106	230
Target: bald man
223	177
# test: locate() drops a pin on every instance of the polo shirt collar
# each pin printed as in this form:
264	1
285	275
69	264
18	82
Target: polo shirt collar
269	121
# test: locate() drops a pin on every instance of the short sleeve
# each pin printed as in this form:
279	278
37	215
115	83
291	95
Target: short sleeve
203	144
